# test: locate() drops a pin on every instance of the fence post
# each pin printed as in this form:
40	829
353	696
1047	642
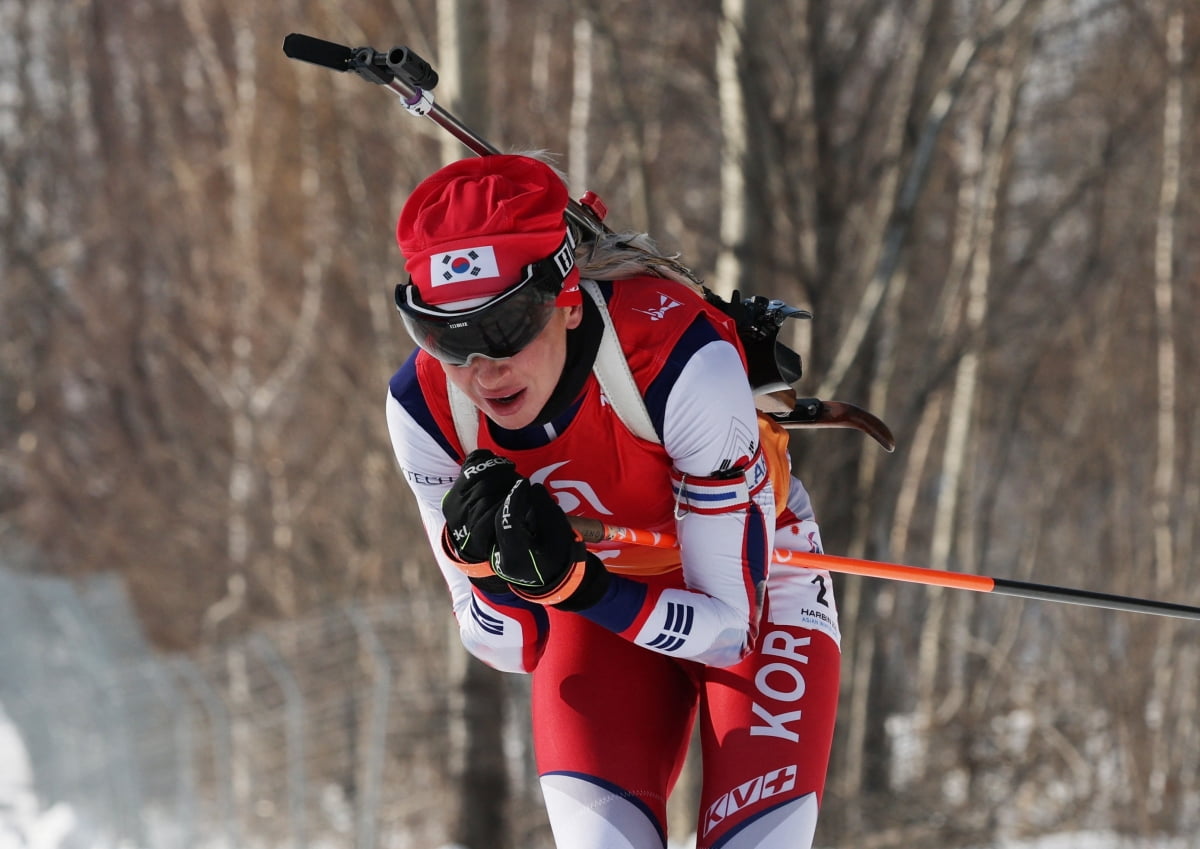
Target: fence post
185	785
376	733
293	708
218	718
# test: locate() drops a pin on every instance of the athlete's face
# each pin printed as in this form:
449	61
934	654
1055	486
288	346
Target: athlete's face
511	392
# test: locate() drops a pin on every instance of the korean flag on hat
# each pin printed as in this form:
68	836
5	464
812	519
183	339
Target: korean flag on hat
463	266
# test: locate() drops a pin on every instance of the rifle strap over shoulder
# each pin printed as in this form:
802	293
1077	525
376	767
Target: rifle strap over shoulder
616	380
466	418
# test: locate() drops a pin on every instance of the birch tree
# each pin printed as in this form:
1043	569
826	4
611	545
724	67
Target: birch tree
1164	492
984	154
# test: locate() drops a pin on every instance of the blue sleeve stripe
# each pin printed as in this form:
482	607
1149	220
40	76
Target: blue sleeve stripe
489	623
689	494
757	556
518	605
665	642
672	608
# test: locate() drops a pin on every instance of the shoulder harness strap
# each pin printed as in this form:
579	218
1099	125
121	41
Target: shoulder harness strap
616	380
466	418
611	370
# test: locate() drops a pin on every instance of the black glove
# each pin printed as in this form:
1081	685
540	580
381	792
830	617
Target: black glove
541	556
471	505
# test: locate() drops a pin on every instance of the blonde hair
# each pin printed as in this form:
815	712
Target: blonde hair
616	256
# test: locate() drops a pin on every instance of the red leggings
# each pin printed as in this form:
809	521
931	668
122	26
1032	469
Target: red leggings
618	717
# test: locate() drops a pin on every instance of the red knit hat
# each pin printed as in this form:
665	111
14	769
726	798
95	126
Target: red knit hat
468	230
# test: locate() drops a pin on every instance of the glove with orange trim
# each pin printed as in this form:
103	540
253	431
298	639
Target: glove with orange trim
540	555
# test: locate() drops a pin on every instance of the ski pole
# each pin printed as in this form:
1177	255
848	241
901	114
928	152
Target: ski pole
593	530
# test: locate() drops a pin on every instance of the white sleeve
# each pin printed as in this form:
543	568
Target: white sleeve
710	419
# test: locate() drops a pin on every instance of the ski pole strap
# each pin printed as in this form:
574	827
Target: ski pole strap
482	569
572	579
593	530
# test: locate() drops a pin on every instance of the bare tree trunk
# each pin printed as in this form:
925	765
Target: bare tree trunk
237	94
859	644
579	166
256	399
960	405
1164	284
631	134
1165	675
734	146
1186	739
982	166
484	788
462	71
898	206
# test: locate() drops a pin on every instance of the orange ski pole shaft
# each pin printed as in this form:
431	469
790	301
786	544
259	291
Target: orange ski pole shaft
593	530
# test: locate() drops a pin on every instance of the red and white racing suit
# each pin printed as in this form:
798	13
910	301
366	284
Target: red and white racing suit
712	630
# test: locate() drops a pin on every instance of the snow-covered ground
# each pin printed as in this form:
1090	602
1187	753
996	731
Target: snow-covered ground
1093	840
25	823
1076	840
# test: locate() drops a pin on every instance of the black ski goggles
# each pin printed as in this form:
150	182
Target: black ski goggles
498	329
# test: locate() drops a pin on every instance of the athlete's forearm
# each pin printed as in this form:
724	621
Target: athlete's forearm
503	631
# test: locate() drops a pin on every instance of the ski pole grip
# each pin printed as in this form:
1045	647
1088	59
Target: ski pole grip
319	52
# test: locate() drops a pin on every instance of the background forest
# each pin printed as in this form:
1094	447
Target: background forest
989	206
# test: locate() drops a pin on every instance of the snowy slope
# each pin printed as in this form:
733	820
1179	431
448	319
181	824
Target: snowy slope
24	824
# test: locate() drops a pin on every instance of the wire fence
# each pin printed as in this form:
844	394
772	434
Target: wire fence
341	729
